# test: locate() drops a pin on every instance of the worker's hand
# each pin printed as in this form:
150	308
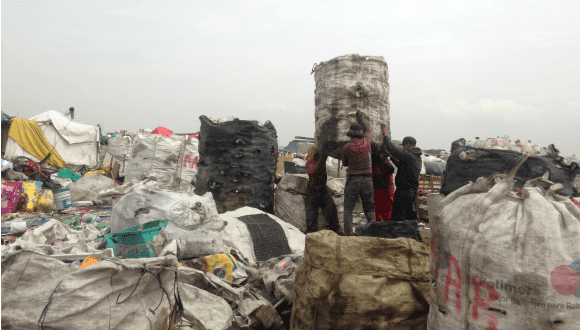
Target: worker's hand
384	129
364	120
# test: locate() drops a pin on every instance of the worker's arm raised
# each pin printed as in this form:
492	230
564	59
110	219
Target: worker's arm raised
395	152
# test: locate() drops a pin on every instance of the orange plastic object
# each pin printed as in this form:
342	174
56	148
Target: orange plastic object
90	260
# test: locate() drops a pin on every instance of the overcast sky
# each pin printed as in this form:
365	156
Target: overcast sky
457	68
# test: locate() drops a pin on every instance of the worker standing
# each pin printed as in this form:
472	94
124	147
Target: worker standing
357	156
408	162
384	188
317	194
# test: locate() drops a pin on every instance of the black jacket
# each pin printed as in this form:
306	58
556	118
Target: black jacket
408	164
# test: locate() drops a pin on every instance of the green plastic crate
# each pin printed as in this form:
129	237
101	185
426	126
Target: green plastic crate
135	243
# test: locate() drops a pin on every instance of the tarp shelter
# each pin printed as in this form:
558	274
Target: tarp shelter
77	143
162	131
292	146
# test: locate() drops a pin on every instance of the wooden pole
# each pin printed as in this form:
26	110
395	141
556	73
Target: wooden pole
304	138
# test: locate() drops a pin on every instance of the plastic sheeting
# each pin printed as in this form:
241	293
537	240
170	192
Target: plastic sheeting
75	142
70	130
337	98
174	159
162	131
29	136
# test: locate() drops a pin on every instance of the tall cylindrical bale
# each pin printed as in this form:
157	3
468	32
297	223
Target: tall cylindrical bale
345	85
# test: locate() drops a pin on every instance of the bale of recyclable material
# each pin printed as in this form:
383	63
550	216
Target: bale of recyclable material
237	163
173	159
484	162
356	283
345	85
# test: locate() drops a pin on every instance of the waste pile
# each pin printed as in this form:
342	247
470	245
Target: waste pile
206	231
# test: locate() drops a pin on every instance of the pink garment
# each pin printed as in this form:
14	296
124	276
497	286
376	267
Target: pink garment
310	164
11	191
361	145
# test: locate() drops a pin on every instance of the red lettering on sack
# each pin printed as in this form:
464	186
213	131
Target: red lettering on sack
484	303
457	283
192	164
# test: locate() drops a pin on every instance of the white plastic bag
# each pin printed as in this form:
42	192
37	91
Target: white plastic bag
192	219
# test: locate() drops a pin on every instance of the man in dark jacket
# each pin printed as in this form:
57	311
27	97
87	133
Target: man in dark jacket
317	194
359	182
408	162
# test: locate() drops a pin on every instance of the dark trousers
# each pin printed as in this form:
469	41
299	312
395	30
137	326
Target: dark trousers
358	186
320	198
404	204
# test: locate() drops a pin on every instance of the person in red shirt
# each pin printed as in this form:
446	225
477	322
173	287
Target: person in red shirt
359	182
384	188
317	194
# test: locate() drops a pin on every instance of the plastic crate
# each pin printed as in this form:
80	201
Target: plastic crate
135	242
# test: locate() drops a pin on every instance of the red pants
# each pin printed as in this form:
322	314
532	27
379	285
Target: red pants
384	203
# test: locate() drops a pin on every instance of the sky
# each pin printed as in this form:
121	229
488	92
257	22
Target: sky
457	69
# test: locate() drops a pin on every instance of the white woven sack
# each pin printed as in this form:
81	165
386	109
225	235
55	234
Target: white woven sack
500	260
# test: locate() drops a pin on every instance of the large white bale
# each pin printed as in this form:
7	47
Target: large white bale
337	97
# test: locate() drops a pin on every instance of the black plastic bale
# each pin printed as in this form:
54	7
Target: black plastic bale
237	161
485	162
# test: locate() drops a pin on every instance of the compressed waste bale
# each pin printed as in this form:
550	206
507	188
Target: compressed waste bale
435	168
501	259
290	205
353	283
173	159
237	163
120	148
192	218
485	162
345	85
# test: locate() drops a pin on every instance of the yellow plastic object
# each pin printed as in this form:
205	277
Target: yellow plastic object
32	191
222	265
95	172
28	135
45	201
89	261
